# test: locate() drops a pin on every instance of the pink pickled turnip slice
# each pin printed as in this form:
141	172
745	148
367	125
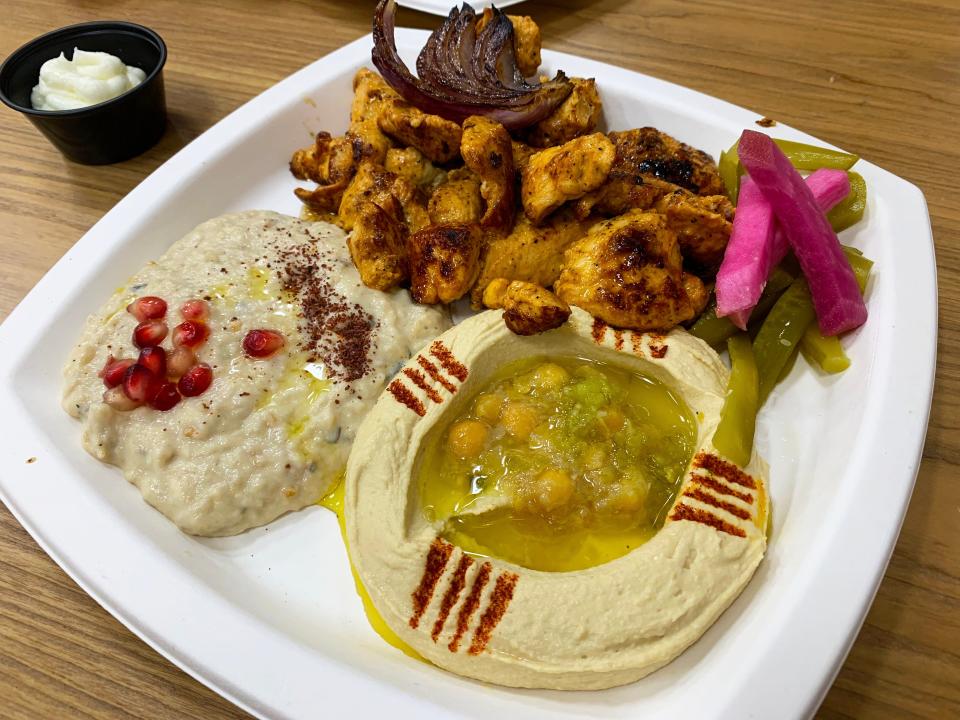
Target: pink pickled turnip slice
833	286
757	244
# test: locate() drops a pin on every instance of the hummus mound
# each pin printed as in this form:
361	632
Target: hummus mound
492	620
269	435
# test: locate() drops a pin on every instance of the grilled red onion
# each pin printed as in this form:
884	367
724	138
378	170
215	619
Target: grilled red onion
463	72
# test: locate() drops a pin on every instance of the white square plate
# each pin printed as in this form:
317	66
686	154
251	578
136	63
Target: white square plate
270	618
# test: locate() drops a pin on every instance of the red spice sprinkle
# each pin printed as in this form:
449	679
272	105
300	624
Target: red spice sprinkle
708	499
403	396
470	605
599	330
618	339
437	558
421	382
434	372
685	512
728	471
448	360
499	600
720	488
337	332
450	597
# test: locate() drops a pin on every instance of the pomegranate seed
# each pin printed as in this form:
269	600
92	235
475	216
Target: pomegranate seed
154	359
166	397
195	380
139	384
189	333
195	310
117	399
148	307
113	371
179	361
262	343
149	333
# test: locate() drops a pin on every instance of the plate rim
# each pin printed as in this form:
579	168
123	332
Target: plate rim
217	139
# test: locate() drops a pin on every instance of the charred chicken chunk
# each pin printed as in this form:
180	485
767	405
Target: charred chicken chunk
410	164
578	115
529	252
438	139
522	154
528	309
702	224
378	247
566	172
457	200
444	262
526	40
392	193
487	151
370	93
627	272
648	165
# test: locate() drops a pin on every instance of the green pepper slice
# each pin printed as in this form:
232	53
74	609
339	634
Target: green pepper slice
738	417
729	175
824	352
849	211
780	334
811	157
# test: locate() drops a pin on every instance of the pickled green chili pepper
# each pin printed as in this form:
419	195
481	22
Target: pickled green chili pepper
729	176
824	352
780	334
811	157
715	330
849	211
738	417
827	352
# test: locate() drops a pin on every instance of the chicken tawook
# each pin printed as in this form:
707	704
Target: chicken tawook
626	225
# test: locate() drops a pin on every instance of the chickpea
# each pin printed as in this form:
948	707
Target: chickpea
613	419
519	419
487	407
552	489
594	457
467	438
550	376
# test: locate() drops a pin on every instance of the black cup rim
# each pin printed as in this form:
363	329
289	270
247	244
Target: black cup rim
81	28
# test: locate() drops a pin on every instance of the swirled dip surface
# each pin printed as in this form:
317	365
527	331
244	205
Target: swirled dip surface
87	79
269	435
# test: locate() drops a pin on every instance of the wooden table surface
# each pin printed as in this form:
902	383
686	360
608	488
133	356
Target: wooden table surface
879	78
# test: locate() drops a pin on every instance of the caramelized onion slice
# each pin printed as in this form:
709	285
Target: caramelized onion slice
463	72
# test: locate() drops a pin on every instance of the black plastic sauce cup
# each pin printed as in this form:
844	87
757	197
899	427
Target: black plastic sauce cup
108	132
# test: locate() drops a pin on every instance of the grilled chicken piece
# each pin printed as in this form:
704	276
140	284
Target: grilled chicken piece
487	151
526	40
648	165
702	224
457	200
528	252
410	164
392	193
566	172
528	309
522	154
444	262
378	247
434	136
627	272
696	291
332	162
578	115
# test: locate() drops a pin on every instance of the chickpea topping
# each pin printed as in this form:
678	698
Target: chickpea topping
613	419
550	376
594	457
487	407
552	489
467	438
519	420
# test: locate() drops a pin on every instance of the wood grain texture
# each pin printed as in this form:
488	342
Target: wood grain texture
879	78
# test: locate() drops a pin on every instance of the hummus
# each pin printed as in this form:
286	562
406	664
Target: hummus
493	620
269	435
